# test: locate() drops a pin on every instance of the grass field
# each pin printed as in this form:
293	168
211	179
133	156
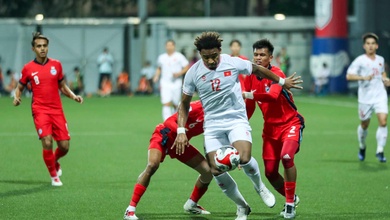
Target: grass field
109	149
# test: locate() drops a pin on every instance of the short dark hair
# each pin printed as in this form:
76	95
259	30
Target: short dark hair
38	35
235	41
170	40
370	35
263	43
208	40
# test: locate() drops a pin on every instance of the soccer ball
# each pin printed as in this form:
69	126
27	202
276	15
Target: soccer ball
227	158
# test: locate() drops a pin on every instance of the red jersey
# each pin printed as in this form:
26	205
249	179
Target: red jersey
276	103
241	77
194	125
44	80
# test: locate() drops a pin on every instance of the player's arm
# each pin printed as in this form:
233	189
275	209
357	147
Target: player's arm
18	92
66	91
271	96
157	74
182	72
356	77
385	79
181	141
287	83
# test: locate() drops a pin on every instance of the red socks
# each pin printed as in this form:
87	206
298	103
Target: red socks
49	159
290	191
139	190
197	193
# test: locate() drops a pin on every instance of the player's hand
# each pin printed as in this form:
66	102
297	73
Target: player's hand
181	142
386	81
369	77
292	82
78	99
176	75
17	101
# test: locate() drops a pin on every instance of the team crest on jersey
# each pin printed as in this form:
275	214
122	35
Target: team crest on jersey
267	88
204	77
53	71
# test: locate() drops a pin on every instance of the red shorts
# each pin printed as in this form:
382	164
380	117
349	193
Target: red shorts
49	124
162	140
275	135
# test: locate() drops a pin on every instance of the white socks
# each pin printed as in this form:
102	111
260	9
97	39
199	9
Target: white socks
229	187
362	134
251	169
381	138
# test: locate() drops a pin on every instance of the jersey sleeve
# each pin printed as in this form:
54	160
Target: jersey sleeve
24	79
243	66
271	96
60	73
159	61
250	106
354	67
183	61
189	83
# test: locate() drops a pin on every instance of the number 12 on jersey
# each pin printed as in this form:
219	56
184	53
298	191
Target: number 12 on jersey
215	84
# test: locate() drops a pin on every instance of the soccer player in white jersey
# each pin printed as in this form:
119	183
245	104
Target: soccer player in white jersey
171	66
215	77
369	70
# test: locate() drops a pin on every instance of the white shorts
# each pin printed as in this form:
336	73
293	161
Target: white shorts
214	142
171	92
365	110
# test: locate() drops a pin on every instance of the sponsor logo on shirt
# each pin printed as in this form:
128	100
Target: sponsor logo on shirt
53	71
34	73
227	73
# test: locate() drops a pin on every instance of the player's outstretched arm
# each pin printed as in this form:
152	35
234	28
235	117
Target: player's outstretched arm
181	141
263	72
18	92
66	91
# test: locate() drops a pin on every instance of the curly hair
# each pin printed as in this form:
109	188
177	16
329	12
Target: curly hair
264	43
208	40
38	35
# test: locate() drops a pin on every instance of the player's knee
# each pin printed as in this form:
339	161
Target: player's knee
152	167
47	143
288	163
271	175
215	171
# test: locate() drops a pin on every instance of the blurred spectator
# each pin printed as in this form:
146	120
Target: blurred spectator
144	87
321	80
106	87
235	48
195	57
123	84
148	70
76	83
283	61
105	63
2	89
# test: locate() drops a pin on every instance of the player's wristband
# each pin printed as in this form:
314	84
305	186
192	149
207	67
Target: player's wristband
248	95
181	130
281	81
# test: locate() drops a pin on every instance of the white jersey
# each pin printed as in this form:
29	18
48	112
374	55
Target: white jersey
220	92
170	65
372	91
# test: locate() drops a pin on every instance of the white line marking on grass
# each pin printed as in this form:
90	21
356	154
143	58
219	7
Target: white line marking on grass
18	134
327	102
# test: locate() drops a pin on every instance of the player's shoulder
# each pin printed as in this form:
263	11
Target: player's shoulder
54	61
277	71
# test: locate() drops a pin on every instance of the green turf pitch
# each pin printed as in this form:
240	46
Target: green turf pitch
109	150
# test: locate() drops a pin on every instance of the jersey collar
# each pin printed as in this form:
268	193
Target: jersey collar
36	61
